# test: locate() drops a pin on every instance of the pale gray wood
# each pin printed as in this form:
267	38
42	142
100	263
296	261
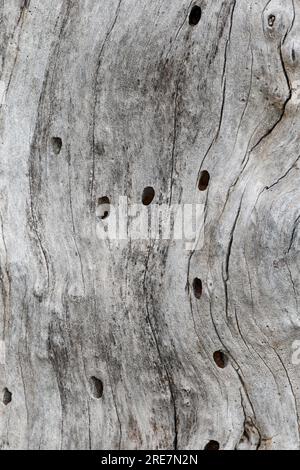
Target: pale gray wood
139	97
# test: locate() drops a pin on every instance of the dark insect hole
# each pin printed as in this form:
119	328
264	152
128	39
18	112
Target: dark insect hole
195	15
203	180
271	20
7	395
148	196
96	386
212	445
197	286
56	144
220	359
103	204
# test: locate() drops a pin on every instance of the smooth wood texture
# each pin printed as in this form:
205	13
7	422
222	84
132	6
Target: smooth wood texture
107	347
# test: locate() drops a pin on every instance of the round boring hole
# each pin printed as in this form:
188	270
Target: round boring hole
56	143
195	15
197	287
96	387
220	359
6	396
271	20
203	180
103	207
212	445
148	195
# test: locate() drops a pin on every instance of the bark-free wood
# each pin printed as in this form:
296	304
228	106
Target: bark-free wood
107	347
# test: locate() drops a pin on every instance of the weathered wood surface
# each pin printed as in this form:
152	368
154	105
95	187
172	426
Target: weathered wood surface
139	97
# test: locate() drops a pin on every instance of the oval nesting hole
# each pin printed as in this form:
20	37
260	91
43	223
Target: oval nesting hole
148	196
271	20
7	396
197	287
103	207
220	359
203	180
212	445
195	15
56	143
96	387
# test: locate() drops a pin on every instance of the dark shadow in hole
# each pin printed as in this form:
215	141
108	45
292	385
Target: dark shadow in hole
271	20
212	445
148	196
220	359
195	15
96	387
103	207
197	287
203	180
56	143
7	396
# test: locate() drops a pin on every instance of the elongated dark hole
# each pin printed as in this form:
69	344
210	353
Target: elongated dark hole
197	286
212	445
56	144
271	20
220	359
195	15
103	207
96	387
148	195
203	180
7	395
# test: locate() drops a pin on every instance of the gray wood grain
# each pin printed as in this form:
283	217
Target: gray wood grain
108	347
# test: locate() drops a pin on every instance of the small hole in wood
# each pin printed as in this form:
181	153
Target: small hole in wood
271	20
96	387
212	445
56	143
7	395
148	196
195	15
220	359
197	287
103	207
203	180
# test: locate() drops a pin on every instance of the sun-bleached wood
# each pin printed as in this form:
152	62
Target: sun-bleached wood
105	347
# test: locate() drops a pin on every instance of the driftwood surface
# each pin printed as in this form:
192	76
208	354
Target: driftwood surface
105	346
